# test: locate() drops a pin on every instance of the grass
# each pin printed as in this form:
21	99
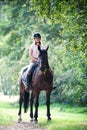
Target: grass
66	121
63	117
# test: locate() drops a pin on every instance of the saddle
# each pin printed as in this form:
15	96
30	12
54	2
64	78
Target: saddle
30	73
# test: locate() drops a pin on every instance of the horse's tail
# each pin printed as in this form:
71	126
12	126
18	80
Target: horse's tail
26	101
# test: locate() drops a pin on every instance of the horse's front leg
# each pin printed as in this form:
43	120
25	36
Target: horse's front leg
48	104
36	106
31	106
20	106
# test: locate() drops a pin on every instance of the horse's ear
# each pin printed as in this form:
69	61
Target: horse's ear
39	48
47	48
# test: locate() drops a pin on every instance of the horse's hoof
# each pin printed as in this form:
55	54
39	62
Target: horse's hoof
31	120
35	121
19	120
49	119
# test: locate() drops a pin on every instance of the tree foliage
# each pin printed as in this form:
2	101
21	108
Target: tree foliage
63	26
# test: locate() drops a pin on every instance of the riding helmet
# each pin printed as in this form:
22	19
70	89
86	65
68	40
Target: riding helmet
37	35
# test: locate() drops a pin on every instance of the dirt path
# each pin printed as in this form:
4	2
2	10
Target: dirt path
22	126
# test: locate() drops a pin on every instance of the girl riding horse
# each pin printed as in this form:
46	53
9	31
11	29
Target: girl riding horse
42	80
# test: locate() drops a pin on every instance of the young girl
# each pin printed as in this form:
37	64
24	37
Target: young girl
33	53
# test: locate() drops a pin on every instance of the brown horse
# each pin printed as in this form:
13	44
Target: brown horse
42	80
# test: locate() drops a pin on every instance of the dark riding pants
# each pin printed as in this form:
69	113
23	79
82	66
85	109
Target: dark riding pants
30	72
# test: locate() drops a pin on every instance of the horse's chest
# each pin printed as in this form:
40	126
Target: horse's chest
43	79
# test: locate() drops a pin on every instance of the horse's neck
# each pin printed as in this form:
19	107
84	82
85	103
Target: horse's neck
47	65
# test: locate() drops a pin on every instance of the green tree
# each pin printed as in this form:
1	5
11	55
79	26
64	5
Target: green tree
62	25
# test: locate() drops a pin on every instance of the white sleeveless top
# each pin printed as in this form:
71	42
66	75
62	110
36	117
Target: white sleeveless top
35	50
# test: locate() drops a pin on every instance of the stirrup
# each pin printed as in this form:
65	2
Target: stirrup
27	89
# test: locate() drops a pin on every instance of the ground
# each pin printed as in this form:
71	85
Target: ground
22	126
18	126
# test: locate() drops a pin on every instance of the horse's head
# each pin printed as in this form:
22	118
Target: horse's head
43	59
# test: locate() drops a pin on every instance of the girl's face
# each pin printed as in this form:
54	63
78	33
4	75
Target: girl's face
37	40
